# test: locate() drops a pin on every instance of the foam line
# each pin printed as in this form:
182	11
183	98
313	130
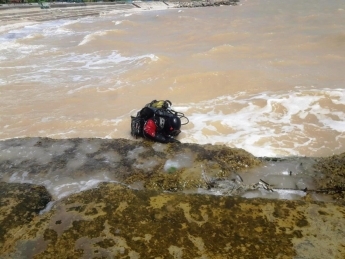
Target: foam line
270	123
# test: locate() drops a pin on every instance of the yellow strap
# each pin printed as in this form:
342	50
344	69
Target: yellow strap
158	104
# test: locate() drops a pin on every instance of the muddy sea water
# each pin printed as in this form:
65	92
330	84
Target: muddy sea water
267	76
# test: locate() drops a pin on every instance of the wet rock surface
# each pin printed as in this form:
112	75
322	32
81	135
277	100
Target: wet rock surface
122	198
333	180
64	166
67	166
19	205
112	221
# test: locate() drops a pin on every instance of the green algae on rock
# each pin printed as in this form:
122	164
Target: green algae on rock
153	165
113	221
333	180
19	205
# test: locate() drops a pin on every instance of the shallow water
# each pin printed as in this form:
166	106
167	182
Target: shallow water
266	76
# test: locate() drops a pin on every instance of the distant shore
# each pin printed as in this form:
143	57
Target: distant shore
35	12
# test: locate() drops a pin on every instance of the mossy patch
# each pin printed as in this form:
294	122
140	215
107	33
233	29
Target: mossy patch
333	180
19	204
153	225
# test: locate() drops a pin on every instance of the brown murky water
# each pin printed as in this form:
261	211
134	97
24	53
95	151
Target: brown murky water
266	76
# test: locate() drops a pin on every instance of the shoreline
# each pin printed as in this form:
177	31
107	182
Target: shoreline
18	13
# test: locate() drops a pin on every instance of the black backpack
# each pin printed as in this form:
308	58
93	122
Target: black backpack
161	108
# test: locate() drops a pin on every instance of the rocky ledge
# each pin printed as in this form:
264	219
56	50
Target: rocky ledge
112	221
149	204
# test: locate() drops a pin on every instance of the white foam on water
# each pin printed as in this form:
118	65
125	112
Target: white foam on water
100	60
13	51
115	85
221	49
56	28
267	124
63	134
24	30
10	27
3	82
58	69
12	46
117	22
92	36
62	31
17	33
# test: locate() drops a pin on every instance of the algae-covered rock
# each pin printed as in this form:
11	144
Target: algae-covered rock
19	204
140	219
112	221
153	165
333	179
